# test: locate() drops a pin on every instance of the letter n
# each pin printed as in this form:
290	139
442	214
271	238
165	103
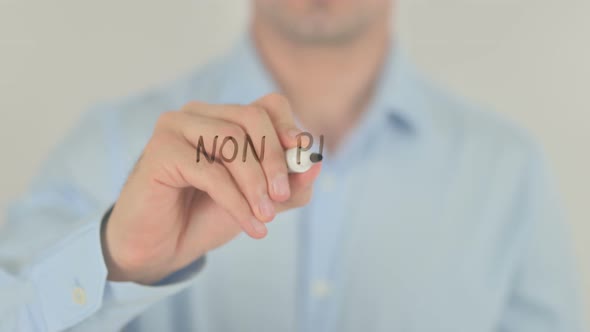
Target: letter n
248	142
201	149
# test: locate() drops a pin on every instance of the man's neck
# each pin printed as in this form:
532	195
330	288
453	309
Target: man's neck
329	86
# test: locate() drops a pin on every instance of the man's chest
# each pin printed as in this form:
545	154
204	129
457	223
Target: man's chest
404	259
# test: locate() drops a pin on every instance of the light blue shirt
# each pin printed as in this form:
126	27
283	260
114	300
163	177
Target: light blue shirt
434	216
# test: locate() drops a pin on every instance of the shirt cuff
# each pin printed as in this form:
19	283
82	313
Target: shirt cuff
70	278
130	292
70	283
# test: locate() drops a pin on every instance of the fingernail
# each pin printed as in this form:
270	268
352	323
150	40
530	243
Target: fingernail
280	185
266	207
259	226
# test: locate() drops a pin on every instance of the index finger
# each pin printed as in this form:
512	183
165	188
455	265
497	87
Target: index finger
280	113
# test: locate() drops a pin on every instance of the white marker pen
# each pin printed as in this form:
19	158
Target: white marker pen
306	160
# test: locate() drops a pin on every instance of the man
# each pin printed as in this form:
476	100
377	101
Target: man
428	215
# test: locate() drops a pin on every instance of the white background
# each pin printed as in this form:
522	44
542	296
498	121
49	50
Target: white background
528	59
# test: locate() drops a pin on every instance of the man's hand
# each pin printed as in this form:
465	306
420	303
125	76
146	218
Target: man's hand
173	209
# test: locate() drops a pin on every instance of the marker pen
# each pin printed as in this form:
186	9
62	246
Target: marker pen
306	160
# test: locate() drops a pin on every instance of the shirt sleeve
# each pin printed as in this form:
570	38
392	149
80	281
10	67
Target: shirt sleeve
67	289
52	270
545	294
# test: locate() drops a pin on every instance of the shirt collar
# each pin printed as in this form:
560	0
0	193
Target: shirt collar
398	98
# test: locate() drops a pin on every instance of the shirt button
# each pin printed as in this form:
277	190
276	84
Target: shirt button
327	183
321	289
79	296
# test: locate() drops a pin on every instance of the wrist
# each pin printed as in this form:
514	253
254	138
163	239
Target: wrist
115	273
130	269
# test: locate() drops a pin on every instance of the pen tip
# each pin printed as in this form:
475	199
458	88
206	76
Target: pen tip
316	157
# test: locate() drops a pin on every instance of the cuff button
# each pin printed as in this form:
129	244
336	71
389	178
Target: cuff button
79	296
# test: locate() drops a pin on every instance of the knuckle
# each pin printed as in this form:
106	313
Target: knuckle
192	106
165	119
256	119
255	112
232	130
278	100
160	141
155	143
